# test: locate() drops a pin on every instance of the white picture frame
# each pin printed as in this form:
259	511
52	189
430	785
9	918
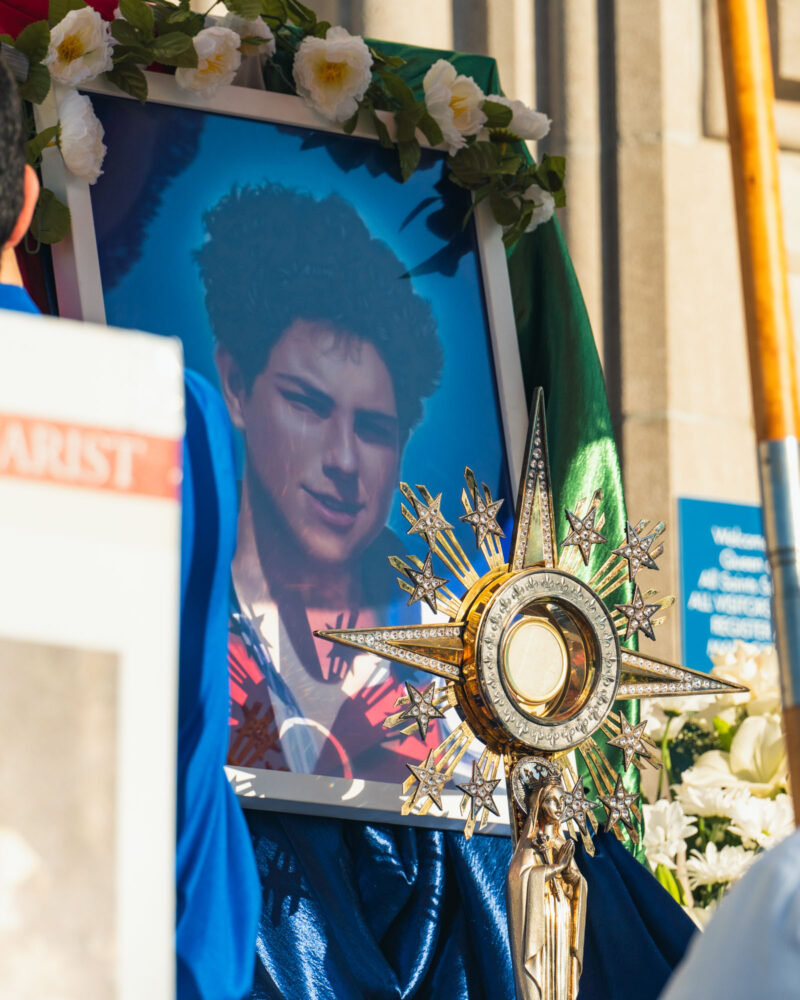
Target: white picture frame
80	293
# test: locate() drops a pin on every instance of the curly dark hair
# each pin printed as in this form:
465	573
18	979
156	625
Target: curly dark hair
12	154
274	255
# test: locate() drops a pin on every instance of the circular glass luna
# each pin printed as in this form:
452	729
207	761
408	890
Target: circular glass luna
535	661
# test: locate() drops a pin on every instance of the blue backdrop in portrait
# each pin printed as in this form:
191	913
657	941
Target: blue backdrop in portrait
166	166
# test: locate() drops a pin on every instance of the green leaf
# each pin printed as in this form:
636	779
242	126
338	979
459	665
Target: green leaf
399	89
178	16
725	731
137	13
670	883
59	10
51	220
137	54
274	10
381	59
321	29
170	46
406	126
37	86
409	152
128	77
497	115
34	41
350	125
248	9
505	211
124	33
381	131
34	146
301	15
429	127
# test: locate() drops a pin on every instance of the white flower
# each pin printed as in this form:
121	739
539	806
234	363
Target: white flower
717	867
762	822
701	915
251	29
545	206
758	755
757	669
525	122
81	137
666	828
218	59
80	48
705	800
332	73
454	102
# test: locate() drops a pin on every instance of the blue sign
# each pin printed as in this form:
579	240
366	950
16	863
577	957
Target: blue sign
725	582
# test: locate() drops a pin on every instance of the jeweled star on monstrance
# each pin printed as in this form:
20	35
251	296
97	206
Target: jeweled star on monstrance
531	655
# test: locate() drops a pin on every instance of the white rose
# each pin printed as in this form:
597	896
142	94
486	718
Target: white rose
762	822
251	29
454	102
218	59
525	122
80	48
717	867
666	828
81	137
332	73
545	206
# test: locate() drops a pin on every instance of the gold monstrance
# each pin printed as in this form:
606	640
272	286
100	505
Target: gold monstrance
532	662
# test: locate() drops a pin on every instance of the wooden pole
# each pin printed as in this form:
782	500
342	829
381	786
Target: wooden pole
773	373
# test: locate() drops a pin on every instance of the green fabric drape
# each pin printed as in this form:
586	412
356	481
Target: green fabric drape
558	353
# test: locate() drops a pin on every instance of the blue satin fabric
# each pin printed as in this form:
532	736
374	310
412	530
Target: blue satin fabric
217	886
354	911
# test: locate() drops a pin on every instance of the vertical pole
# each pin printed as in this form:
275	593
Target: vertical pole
773	373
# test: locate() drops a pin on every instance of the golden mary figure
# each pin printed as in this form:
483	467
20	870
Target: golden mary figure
546	892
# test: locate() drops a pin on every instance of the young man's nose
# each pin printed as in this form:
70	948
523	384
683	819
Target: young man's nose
341	454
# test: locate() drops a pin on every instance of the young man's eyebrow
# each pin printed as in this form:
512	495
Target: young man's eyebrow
307	387
323	397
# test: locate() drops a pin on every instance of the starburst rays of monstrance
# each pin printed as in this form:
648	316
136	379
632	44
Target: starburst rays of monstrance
531	657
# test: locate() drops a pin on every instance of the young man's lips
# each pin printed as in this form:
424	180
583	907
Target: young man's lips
335	511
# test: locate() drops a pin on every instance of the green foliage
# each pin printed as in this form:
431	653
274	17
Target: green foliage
35	146
162	31
34	41
128	77
725	732
497	115
51	220
175	49
687	746
248	9
139	15
59	10
667	878
37	86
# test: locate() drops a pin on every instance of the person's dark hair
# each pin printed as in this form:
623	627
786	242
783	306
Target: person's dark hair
12	154
273	256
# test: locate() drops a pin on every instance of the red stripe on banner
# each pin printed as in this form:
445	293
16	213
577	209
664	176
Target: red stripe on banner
96	458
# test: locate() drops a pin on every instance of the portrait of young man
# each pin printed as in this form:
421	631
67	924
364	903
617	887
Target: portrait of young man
324	370
342	315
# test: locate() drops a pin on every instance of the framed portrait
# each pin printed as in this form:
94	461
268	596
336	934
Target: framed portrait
362	335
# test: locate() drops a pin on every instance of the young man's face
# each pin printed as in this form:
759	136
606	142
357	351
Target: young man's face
322	436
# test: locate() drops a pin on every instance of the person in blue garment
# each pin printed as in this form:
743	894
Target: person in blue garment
325	354
217	889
